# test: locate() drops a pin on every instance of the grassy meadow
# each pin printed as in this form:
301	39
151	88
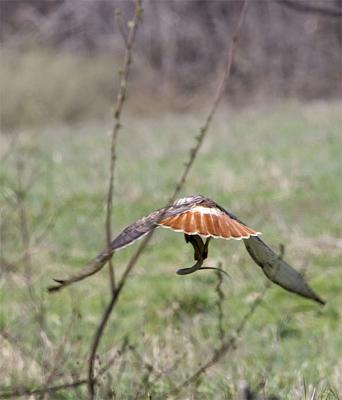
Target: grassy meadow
278	168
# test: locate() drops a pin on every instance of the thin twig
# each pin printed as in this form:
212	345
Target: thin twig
120	100
89	270
95	344
121	24
21	192
216	102
50	225
149	367
22	350
71	385
23	221
225	347
59	357
42	390
149	370
133	26
220	298
229	343
117	354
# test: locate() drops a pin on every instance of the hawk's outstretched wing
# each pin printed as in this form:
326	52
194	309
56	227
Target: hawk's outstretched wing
193	215
198	215
278	270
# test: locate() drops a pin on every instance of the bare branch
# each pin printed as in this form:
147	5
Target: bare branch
57	359
133	26
220	298
43	390
121	24
218	97
21	192
121	97
124	73
27	353
226	345
23	220
117	354
56	388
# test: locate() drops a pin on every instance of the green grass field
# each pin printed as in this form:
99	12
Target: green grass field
278	169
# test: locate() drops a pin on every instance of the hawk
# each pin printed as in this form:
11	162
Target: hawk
200	217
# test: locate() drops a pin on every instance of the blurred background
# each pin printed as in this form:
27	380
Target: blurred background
53	49
272	157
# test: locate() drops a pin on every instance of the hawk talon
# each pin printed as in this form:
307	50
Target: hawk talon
200	248
200	253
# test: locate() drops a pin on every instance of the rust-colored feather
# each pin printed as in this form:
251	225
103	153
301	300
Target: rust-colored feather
208	221
237	230
250	230
216	223
174	222
190	223
182	221
225	223
210	224
197	222
202	226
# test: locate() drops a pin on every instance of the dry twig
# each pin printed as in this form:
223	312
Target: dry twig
133	26
129	39
121	97
42	390
21	193
63	386
226	345
220	298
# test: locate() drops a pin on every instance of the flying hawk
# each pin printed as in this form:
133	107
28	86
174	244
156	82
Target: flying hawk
200	217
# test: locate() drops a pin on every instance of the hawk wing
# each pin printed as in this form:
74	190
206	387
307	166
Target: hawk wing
146	224
278	270
193	215
208	219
